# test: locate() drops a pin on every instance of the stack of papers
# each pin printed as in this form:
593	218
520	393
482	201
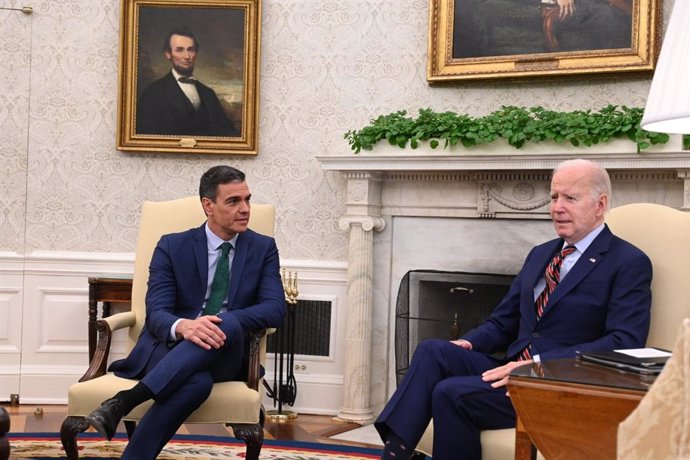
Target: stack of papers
640	360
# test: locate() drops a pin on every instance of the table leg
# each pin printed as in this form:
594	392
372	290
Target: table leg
524	449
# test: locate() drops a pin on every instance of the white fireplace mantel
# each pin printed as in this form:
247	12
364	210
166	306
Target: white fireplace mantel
498	182
616	155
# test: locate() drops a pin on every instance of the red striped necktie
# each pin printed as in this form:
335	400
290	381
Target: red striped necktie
552	275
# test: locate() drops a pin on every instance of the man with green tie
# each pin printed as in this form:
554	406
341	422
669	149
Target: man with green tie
208	287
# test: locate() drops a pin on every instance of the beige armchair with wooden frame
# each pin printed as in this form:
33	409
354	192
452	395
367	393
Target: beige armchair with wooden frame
236	404
663	233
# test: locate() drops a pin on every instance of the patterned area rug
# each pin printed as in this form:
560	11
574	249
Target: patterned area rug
92	446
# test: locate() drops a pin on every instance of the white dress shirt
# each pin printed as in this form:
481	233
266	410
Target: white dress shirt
213	243
189	89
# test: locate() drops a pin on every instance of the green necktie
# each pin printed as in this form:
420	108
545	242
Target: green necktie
219	287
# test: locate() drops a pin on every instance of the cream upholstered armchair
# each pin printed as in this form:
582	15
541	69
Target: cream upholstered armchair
659	427
237	404
663	233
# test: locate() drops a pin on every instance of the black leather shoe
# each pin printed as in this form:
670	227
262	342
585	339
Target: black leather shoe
106	418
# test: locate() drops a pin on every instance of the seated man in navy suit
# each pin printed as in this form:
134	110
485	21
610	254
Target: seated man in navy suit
207	288
586	290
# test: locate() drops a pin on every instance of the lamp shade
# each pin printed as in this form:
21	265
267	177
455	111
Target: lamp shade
668	103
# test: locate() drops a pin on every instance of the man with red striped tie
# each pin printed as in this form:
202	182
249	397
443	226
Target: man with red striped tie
586	290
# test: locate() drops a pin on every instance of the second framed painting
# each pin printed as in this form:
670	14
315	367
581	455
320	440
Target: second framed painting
188	79
489	39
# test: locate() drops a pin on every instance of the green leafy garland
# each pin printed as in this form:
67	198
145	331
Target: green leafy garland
517	125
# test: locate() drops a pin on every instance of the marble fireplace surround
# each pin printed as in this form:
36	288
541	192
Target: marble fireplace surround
392	194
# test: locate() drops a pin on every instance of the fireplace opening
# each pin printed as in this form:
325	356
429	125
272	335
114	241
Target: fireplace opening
443	305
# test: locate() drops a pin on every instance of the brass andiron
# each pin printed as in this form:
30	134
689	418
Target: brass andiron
290	286
455	328
284	389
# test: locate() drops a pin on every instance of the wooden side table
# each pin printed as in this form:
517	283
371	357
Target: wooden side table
105	289
570	409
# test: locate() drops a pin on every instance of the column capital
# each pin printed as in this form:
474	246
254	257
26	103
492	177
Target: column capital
363	201
368	223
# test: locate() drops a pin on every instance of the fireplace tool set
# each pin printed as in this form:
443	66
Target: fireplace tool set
284	389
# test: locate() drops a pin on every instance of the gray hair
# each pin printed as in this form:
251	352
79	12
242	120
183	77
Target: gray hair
599	178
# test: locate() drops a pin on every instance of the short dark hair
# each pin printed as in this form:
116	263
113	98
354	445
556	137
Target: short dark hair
211	179
180	30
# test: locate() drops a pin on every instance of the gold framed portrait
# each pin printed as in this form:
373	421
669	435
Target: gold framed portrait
189	76
492	39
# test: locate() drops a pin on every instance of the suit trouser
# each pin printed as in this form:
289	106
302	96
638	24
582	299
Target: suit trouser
444	382
180	382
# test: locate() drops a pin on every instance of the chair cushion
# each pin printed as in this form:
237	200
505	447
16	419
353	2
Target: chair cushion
84	397
496	444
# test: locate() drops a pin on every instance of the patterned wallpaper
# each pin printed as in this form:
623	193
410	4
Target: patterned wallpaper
327	66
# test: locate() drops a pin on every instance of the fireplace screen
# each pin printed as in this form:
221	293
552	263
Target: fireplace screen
312	325
443	305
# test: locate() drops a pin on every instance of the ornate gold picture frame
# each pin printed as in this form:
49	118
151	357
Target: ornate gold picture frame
189	76
489	39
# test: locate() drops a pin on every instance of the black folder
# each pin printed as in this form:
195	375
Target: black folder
623	361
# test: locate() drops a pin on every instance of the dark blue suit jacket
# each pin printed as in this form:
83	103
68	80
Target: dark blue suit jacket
164	109
178	279
602	304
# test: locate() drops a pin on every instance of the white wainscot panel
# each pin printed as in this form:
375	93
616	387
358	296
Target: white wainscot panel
54	348
11	281
10	321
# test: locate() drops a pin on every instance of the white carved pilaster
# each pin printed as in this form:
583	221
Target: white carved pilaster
362	218
685	175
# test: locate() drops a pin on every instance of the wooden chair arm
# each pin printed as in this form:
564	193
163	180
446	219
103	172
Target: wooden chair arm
254	368
120	320
105	328
99	362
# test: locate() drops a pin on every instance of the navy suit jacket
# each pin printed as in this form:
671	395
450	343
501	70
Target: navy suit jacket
178	279
602	304
164	109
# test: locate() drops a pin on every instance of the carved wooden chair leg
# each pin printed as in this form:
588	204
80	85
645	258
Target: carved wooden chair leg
4	429
69	430
253	437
